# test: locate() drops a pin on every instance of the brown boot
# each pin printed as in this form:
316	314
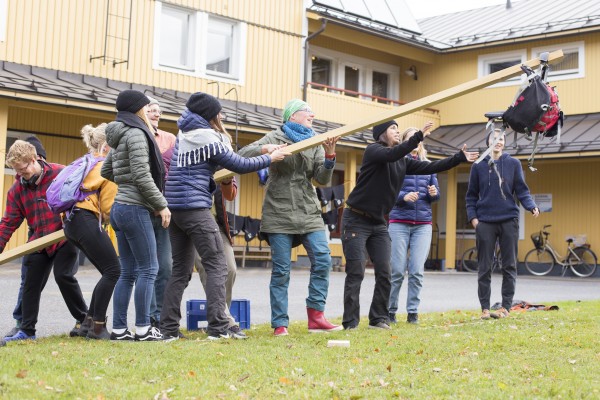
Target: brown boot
85	326
318	323
99	331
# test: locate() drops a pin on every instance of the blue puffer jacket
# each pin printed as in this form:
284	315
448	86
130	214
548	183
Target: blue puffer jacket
419	211
190	184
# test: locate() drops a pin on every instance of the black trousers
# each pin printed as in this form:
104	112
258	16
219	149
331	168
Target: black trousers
189	230
507	234
38	268
83	231
360	233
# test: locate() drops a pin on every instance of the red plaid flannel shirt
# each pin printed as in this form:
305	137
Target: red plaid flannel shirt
30	203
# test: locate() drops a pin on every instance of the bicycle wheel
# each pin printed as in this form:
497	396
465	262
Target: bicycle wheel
539	262
469	260
586	264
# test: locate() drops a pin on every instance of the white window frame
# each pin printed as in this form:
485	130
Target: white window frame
366	67
3	17
198	35
566	48
484	60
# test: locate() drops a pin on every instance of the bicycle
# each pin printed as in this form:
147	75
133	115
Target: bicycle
469	259
540	260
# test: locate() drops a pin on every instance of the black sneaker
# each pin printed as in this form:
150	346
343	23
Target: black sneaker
392	318
351	327
170	336
412	318
153	335
236	333
380	325
75	331
181	335
127	335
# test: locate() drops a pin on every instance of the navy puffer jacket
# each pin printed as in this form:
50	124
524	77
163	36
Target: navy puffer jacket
190	184
419	211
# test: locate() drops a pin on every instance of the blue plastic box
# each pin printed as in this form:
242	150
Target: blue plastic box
196	312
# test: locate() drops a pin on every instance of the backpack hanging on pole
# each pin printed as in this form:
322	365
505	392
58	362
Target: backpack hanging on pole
535	108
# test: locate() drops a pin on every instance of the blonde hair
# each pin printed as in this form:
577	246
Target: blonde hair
94	137
20	151
217	125
421	152
142	114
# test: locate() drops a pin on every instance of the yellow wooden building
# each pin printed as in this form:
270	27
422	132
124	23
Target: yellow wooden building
65	61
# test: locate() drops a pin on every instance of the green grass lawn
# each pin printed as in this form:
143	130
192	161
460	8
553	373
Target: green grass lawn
541	354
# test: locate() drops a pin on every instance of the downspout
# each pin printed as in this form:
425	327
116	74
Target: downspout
309	38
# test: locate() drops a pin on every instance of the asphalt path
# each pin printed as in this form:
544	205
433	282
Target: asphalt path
442	291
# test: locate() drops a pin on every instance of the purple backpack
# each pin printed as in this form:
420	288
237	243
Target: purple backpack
65	190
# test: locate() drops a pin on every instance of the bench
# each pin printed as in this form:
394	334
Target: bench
253	253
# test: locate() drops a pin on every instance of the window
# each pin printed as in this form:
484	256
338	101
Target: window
321	71
357	74
380	84
3	12
490	63
198	44
176	44
351	80
572	65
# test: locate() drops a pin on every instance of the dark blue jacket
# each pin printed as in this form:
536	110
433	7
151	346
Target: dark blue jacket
192	186
484	198
420	210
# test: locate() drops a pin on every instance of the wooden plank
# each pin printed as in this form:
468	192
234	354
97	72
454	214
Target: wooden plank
349	129
32	246
409	108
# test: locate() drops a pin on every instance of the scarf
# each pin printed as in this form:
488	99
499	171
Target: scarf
198	141
296	132
157	167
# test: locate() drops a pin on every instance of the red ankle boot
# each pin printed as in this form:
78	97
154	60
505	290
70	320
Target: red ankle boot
318	323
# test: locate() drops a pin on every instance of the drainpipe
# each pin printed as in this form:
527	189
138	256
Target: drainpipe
309	38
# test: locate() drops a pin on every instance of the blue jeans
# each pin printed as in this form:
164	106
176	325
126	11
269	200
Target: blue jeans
417	238
165	266
139	263
318	285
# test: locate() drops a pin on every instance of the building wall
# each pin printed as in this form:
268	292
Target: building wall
577	96
64	34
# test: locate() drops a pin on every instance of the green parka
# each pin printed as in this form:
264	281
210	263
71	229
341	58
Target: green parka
291	205
128	165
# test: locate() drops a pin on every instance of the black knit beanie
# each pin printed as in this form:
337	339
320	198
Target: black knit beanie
380	129
39	148
131	100
204	105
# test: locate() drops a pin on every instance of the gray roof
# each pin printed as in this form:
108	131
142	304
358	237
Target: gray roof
580	134
58	84
479	26
524	18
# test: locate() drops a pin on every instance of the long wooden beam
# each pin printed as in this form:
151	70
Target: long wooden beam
32	246
346	130
411	107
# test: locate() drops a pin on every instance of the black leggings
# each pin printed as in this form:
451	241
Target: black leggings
84	232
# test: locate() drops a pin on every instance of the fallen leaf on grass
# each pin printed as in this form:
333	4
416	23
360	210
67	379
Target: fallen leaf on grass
49	388
191	373
232	387
357	360
243	378
220	354
502	385
389	368
285	380
366	383
572	361
383	383
436	369
376	350
513	327
21	374
331	384
54	353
